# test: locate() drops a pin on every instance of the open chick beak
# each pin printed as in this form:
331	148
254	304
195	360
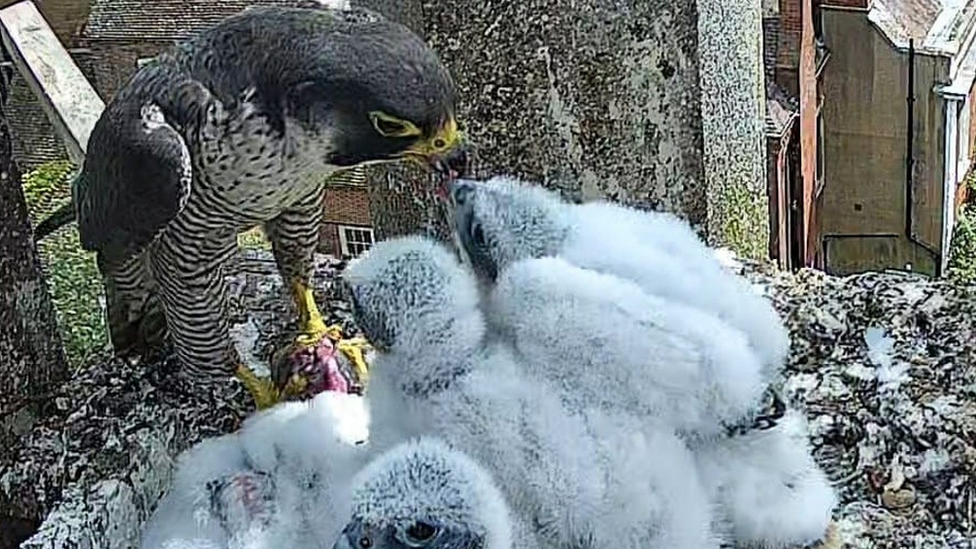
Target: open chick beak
453	163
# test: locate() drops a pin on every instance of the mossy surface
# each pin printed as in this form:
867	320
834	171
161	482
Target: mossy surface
72	276
962	255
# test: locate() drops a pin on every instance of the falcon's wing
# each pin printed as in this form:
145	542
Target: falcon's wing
137	173
602	339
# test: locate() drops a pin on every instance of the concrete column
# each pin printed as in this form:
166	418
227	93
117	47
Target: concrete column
950	177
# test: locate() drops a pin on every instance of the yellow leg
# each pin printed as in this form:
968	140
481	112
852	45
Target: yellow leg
312	326
263	390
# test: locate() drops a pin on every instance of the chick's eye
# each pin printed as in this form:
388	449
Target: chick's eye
419	533
478	235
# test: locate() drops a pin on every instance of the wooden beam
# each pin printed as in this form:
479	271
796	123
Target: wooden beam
68	98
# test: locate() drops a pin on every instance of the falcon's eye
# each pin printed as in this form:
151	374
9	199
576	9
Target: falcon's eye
391	126
419	534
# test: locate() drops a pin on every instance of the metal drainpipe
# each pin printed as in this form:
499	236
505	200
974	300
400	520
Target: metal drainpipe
910	154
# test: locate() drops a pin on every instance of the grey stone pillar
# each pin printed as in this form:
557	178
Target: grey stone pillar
31	355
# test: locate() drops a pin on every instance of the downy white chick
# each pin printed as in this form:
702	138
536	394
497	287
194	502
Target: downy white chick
503	219
770	491
424	494
598	335
604	341
589	479
280	481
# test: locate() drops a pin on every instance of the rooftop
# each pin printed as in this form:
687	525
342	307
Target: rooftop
939	27
148	20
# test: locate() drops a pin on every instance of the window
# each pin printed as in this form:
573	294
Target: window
354	240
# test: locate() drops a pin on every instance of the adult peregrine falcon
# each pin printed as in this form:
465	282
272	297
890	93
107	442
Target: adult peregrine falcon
236	127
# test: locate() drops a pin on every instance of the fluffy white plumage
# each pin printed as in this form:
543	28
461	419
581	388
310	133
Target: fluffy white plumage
279	481
297	476
604	341
657	251
631	310
586	479
423	493
770	491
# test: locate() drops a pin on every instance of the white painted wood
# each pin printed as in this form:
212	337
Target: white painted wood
69	100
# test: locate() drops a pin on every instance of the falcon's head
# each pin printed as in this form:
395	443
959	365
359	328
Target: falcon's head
370	88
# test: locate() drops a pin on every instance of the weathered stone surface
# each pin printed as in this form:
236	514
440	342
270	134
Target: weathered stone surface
730	61
655	104
883	365
94	466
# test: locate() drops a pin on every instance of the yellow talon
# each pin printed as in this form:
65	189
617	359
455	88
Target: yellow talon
309	317
263	391
313	328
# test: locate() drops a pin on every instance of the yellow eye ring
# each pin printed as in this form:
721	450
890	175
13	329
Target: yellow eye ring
391	126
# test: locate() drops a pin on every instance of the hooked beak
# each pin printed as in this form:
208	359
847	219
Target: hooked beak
447	151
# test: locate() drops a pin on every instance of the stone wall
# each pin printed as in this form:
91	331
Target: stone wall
655	104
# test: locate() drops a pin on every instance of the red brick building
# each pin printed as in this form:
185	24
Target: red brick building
108	39
347	230
794	58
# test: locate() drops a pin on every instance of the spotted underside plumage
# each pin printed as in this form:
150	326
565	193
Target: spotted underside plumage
237	127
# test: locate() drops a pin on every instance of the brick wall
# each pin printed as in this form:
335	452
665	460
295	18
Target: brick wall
788	37
66	17
34	138
770	26
344	205
115	61
348	205
329	240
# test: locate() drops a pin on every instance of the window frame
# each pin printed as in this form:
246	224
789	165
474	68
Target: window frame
345	242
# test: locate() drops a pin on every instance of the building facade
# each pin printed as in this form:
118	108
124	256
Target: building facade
898	139
795	55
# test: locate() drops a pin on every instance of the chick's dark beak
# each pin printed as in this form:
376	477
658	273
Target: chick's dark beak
453	163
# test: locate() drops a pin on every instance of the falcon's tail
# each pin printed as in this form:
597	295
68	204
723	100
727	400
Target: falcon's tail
61	217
